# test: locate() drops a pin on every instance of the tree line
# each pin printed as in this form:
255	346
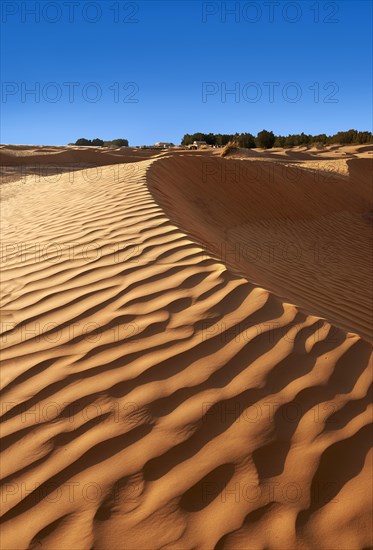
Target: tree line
120	142
267	139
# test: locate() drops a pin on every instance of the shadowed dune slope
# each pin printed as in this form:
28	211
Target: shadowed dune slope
303	233
153	398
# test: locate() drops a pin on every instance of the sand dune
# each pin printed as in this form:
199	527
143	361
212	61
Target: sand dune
301	232
51	162
163	384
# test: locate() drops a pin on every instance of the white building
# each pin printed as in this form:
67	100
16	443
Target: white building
163	144
198	144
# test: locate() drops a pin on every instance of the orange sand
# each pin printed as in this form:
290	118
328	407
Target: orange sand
186	356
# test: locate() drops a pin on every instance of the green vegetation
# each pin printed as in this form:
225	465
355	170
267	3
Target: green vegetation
120	142
117	143
267	140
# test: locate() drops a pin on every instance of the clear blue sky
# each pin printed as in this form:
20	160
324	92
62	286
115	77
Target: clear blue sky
160	54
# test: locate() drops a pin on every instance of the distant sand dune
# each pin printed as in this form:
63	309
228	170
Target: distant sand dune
159	391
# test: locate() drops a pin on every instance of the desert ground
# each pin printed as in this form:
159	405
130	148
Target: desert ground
186	349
